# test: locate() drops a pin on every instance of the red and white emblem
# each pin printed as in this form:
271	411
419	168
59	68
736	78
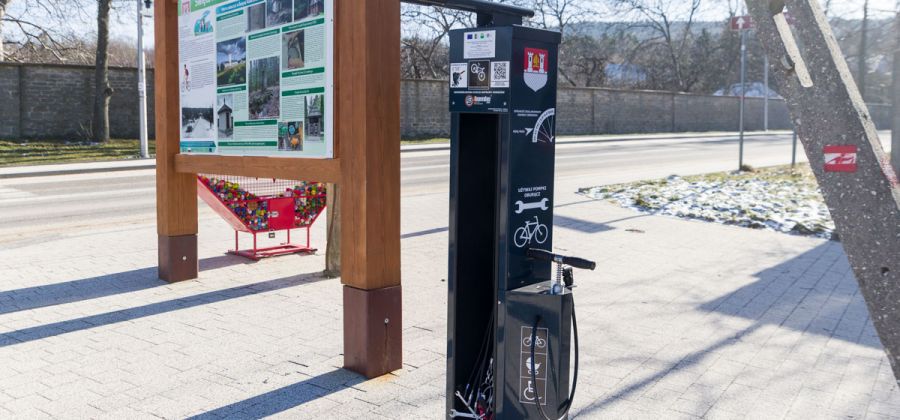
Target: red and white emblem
536	63
841	158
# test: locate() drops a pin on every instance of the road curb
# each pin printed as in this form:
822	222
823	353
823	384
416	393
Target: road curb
116	166
78	171
586	140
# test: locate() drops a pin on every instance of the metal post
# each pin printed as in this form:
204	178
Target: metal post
142	81
743	95
766	100
794	150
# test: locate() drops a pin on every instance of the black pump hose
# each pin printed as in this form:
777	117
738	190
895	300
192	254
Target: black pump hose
568	404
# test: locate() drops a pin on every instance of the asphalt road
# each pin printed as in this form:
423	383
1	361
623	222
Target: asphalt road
40	207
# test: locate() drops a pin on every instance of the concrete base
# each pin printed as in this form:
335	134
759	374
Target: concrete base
373	330
178	258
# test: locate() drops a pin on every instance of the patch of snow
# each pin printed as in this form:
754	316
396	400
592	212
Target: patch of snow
790	204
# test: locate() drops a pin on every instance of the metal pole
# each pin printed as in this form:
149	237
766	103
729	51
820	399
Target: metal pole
794	151
142	81
766	101
743	95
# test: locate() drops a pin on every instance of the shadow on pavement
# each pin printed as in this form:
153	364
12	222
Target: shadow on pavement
686	361
84	323
580	225
814	293
811	293
424	233
96	287
286	398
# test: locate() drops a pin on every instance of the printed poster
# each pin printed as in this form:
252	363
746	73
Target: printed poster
256	77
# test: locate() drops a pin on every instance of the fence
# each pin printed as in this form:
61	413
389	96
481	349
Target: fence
40	101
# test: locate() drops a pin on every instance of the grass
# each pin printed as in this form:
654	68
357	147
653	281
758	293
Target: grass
18	153
424	141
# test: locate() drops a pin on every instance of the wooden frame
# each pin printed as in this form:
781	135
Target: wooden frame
366	167
319	170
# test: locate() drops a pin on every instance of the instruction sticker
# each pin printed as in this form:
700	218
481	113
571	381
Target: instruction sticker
482	44
459	75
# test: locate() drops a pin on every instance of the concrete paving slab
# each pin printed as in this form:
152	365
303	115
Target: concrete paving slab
681	320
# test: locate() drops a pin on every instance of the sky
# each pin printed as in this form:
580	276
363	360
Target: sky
123	22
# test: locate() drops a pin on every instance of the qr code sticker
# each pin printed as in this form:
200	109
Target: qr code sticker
500	74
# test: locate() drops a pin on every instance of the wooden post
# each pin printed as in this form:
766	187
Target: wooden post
176	193
366	167
367	125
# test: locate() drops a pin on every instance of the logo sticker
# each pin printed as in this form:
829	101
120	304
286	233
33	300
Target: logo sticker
536	65
459	75
841	158
480	45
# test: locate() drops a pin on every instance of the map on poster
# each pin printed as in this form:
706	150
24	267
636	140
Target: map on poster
256	77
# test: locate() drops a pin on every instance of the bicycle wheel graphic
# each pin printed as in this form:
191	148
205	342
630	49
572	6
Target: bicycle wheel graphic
541	234
545	128
521	237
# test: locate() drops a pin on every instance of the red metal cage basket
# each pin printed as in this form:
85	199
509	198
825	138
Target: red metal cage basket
255	206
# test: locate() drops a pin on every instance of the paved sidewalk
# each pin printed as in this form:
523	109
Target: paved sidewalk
681	320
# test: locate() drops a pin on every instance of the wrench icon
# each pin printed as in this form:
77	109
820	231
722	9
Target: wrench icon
522	206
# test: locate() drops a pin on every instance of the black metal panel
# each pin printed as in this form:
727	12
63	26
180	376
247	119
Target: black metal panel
473	235
520	393
501	204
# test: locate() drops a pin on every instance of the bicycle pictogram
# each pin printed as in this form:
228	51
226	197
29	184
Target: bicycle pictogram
538	342
535	231
479	71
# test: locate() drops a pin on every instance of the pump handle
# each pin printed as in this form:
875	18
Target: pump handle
541	255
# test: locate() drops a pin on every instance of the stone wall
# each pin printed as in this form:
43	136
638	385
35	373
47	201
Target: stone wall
56	102
609	111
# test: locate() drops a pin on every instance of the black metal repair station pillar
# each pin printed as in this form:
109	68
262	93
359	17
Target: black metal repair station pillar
503	85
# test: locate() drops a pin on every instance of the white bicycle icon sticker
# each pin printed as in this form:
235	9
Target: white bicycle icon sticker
538	342
478	69
532	231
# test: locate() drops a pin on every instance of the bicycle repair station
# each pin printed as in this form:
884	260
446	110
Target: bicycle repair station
323	116
510	313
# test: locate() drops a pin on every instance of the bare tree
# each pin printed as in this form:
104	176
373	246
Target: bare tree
424	41
562	16
102	89
672	22
38	26
3	5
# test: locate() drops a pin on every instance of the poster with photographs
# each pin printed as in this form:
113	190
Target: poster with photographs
256	77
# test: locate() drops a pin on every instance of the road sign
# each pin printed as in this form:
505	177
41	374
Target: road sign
740	23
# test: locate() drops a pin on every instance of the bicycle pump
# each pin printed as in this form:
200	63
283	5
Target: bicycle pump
508	320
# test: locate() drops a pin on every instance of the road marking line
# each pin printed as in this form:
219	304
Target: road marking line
91	194
7	193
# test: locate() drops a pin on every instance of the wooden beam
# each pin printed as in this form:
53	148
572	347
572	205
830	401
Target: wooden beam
319	170
176	221
368	131
367	116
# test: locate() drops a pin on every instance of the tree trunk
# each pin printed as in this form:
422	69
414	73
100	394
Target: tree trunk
863	68
333	246
895	133
103	91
